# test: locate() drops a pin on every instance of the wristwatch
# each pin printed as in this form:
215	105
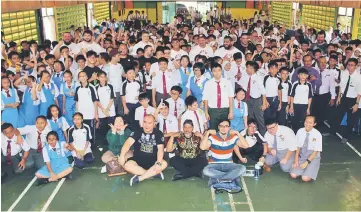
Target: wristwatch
308	161
158	163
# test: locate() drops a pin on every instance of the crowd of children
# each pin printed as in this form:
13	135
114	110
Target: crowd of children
208	87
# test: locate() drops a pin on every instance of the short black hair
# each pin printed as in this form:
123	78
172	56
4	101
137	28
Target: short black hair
6	126
216	65
352	60
49	56
163	59
237	56
224	120
48	114
80	57
252	121
78	114
270	121
63	47
166	104
41	117
143	96
190	100
54	134
238	90
284	68
177	88
253	64
271	64
101	72
302	71
105	56
91	53
188	121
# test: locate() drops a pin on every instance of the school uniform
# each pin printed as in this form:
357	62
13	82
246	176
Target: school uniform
106	94
56	156
198	118
131	91
301	93
47	95
230	76
217	93
69	91
196	86
9	115
283	141
272	84
79	137
308	142
240	110
59	125
141	112
254	91
184	74
36	141
148	85
167	124
85	97
282	116
115	79
58	79
350	87
320	102
176	107
255	146
162	83
13	153
29	109
238	69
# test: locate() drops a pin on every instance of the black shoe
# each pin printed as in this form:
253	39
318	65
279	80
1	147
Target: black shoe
69	177
177	177
42	181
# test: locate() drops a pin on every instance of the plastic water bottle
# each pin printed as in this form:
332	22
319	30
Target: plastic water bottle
257	169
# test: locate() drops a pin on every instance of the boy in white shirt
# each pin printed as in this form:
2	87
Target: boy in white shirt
168	123
195	114
144	109
176	104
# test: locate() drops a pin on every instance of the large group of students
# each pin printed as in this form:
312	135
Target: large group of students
200	98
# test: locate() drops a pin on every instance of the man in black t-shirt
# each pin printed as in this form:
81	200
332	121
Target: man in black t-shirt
125	59
91	69
147	160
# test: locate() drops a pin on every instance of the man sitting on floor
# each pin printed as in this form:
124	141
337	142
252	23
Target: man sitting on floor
147	160
189	161
221	170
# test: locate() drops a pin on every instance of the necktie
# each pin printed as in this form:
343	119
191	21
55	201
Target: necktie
199	31
185	70
219	96
248	93
196	81
164	85
199	124
48	86
69	86
8	152
54	149
305	143
55	120
7	93
239	72
58	75
164	126
175	109
239	104
39	142
347	85
275	143
145	113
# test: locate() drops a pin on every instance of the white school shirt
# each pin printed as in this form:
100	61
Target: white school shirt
314	139
115	76
35	102
181	107
154	68
257	86
286	139
131	90
354	86
105	94
272	85
197	126
301	92
31	133
199	83
57	149
176	55
230	76
328	83
85	97
15	148
91	46
170	80
139	113
196	50
243	106
79	137
63	124
210	92
252	139
171	123
11	94
286	90
40	94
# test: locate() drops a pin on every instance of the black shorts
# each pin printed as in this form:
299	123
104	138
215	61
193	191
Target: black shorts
143	162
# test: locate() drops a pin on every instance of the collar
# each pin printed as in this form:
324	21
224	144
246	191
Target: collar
106	84
56	73
81	127
302	83
87	85
57	146
219	135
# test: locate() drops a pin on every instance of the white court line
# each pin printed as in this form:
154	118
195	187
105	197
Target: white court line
22	194
53	195
249	200
231	202
215	208
236	203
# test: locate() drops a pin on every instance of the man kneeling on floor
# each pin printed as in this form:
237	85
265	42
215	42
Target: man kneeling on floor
282	144
147	160
223	173
189	160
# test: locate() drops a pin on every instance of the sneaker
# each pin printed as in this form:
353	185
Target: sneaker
177	177
69	177
344	140
159	176
212	181
42	181
134	180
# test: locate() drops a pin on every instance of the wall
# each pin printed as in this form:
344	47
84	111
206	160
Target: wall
356	27
148	7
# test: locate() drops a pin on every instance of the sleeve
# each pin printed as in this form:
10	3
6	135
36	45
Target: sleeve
245	109
135	135
70	135
137	114
299	141
206	91
332	87
269	139
76	97
16	96
293	90
26	130
124	88
280	84
56	94
318	145
65	124
45	155
292	145
310	91
112	93
289	88
25	146
159	137
61	91
261	86
89	133
230	89
93	94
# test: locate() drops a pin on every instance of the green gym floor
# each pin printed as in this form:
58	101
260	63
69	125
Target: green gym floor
338	188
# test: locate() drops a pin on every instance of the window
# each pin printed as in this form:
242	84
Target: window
343	11
47	12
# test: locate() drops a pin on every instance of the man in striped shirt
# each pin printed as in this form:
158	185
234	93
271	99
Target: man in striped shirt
221	168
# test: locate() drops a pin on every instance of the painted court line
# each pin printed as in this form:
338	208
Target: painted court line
231	202
215	208
53	195
22	194
249	200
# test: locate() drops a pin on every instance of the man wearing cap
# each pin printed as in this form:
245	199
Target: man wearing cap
201	49
116	72
228	50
